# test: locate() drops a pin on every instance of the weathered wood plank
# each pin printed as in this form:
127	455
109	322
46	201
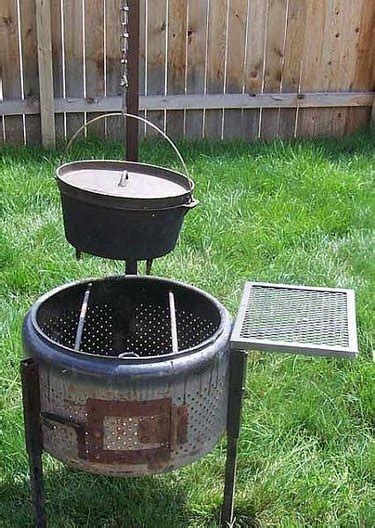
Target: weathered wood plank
330	62
58	64
238	10
196	63
156	57
176	62
276	19
217	29
11	68
31	75
196	102
312	63
254	64
46	95
291	72
328	46
364	72
337	64
73	32
114	125
348	20
94	55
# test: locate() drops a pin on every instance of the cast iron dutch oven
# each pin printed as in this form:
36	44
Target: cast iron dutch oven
123	210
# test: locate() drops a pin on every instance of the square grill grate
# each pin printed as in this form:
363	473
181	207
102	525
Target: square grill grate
296	319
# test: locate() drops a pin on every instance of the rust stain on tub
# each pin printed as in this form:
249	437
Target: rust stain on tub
157	428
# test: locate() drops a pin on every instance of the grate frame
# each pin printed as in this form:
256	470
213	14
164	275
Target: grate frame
241	342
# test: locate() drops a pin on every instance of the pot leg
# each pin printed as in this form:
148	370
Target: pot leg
149	263
131	267
33	435
237	378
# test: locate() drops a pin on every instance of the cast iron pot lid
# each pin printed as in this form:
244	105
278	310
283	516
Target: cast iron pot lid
124	185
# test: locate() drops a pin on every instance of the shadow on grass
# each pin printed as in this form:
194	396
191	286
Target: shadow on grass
76	499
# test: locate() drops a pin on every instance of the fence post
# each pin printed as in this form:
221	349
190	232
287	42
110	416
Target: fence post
46	93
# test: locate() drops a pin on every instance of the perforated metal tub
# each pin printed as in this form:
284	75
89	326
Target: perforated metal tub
117	397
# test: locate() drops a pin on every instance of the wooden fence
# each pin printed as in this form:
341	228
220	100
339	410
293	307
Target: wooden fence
209	68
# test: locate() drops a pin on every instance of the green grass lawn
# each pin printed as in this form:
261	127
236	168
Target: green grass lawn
279	212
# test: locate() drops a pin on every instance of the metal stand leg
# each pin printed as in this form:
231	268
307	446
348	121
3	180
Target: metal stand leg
33	435
237	376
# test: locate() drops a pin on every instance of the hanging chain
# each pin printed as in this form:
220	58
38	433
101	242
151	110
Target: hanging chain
124	45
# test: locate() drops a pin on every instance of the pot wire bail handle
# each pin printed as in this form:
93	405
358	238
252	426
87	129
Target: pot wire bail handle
143	120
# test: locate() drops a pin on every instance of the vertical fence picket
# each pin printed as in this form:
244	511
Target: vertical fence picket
235	63
216	64
45	73
363	76
334	63
348	18
156	56
30	68
58	63
276	18
196	63
254	64
114	125
311	63
73	33
94	55
177	33
11	68
293	58
346	38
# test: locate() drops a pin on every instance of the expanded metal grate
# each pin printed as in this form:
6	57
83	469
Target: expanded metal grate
296	319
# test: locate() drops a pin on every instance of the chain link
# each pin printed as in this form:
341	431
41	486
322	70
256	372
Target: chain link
124	44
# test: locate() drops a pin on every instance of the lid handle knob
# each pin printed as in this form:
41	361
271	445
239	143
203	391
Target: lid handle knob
124	179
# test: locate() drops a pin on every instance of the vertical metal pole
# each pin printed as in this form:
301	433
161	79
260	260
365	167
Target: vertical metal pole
33	435
237	379
132	92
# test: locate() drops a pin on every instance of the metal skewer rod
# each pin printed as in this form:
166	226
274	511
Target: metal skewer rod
172	311
82	317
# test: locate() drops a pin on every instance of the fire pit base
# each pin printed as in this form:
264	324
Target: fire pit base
165	420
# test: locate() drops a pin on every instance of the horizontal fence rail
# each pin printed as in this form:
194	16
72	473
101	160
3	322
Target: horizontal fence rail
208	68
196	102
